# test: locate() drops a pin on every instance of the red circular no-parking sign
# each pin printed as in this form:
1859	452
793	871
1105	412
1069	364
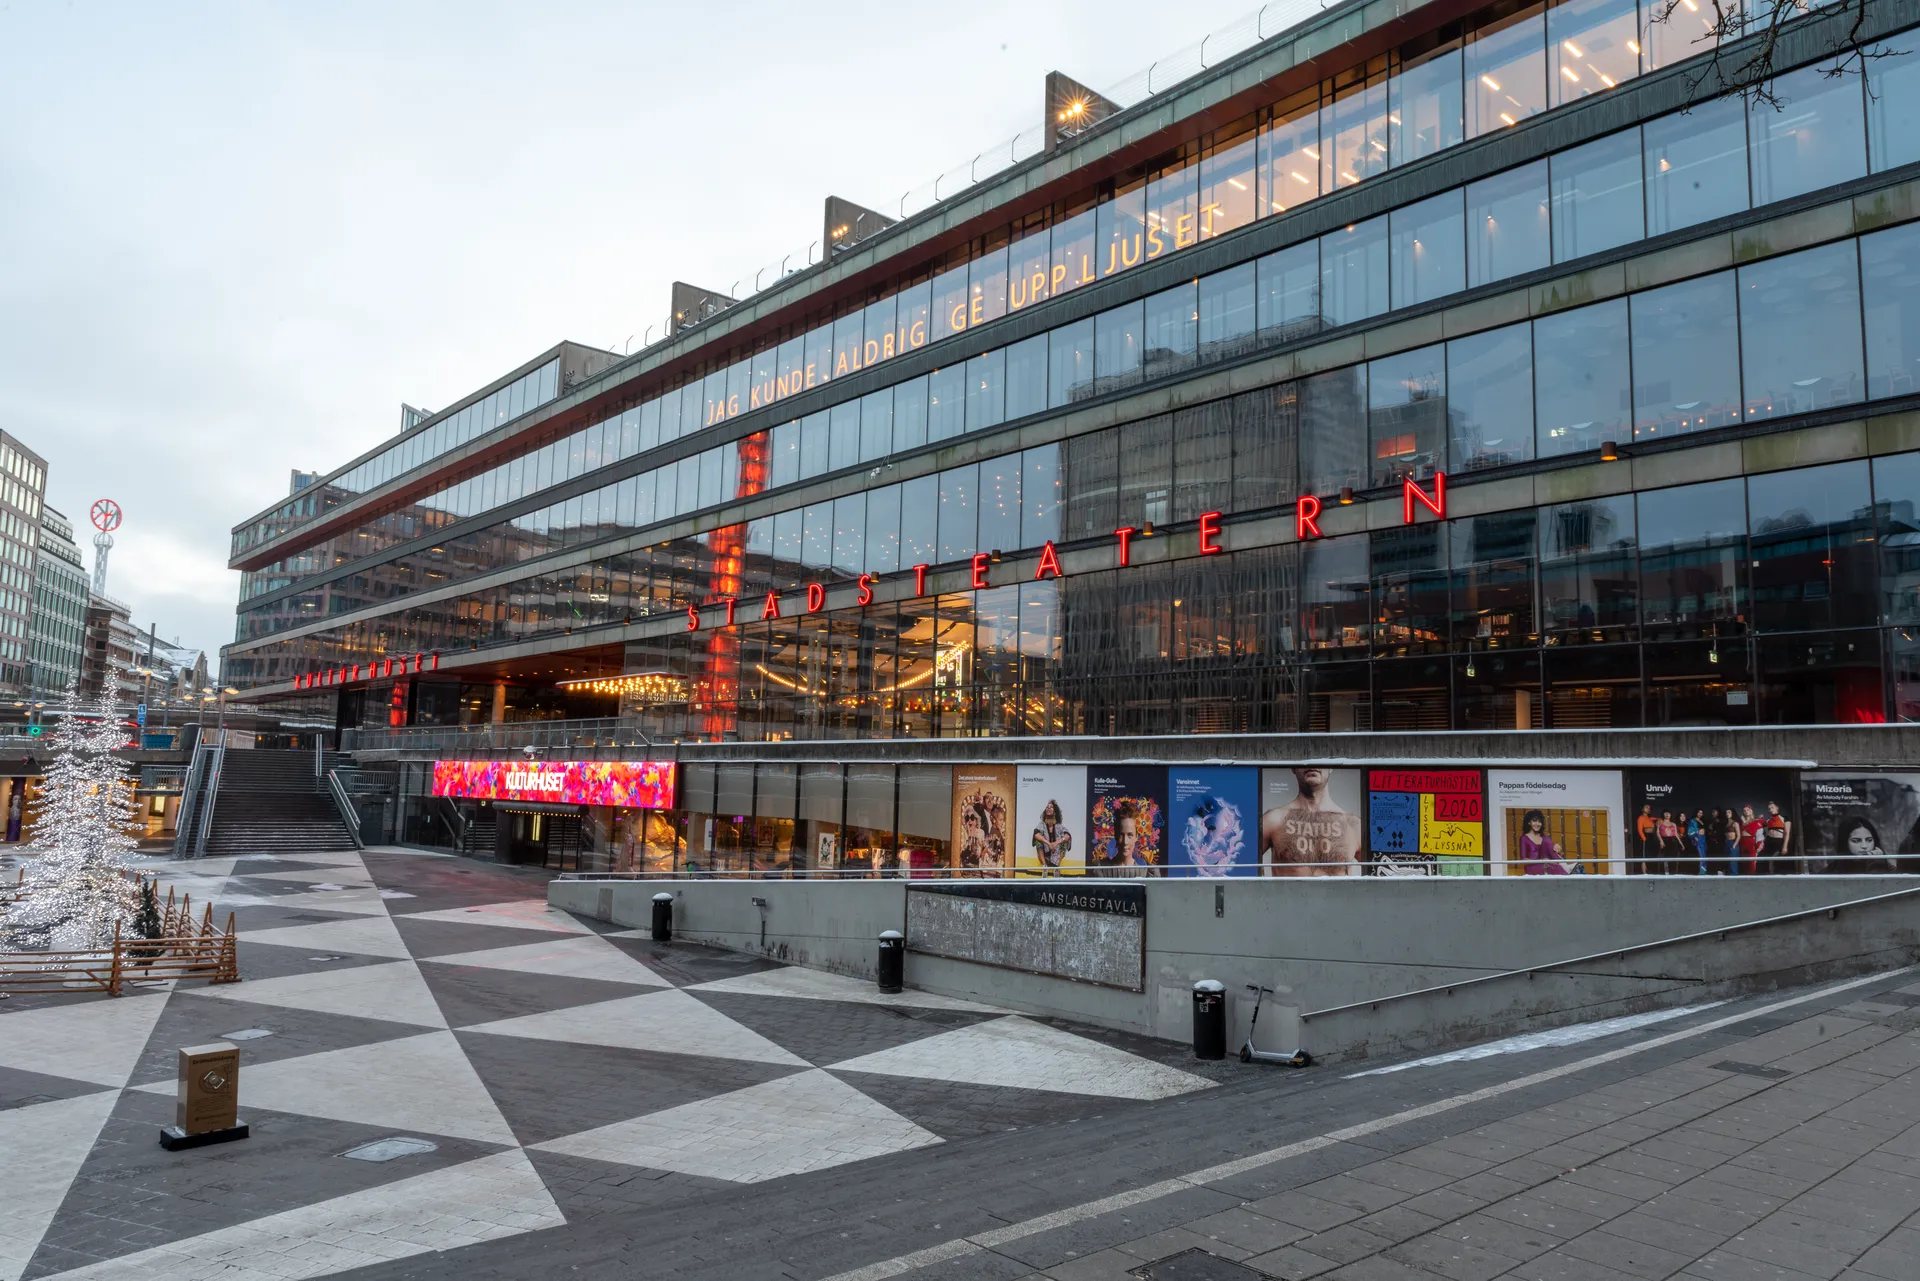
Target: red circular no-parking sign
106	515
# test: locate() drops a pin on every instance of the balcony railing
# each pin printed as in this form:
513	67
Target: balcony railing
483	740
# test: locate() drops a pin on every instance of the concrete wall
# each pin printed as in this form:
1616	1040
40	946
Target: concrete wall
1327	943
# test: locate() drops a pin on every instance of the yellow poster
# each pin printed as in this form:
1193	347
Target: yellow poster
1448	835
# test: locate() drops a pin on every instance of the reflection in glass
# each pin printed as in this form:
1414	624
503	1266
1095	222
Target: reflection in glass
1333	433
1202	460
920	521
1040	489
1229	195
816	551
1027	377
1507	225
1693	563
1686	357
950	302
1410	597
1812	535
1597	202
1000	504
1146	472
1893	102
1073	256
986	389
1816	138
946	403
1353	271
987	287
1226	307
1896	496
1595	45
1800	332
1589	574
1090	470
1425	105
1581	393
959	519
1429	251
1172	205
1890	279
1120	230
1070	360
1288	292
883	530
1353	131
1493	563
1171	321
1686	31
1029	262
1506	65
1407	415
876	425
1335	607
1117	342
1490	398
1290	155
814	455
910	414
1696	165
849	535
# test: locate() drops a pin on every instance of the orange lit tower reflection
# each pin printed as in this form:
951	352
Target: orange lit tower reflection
718	687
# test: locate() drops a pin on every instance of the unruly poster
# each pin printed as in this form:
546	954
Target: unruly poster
1051	828
1310	822
1213	820
983	820
1858	821
1556	822
1711	822
1425	822
1127	820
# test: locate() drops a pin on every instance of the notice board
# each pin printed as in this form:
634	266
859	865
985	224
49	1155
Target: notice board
1086	932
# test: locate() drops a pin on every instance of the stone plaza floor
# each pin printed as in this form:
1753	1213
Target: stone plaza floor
448	1080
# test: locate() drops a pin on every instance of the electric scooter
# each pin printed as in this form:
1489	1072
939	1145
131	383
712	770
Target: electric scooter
1248	1054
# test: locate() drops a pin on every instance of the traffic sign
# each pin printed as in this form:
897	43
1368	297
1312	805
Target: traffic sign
35	731
140	715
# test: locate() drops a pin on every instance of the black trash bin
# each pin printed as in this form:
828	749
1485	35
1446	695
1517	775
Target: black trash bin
893	960
1209	1019
663	918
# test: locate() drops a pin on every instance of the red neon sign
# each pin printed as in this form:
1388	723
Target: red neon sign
1210	534
1411	493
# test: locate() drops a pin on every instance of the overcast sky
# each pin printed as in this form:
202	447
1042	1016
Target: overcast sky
234	238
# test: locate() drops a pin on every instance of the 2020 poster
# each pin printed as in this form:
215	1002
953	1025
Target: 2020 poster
1425	822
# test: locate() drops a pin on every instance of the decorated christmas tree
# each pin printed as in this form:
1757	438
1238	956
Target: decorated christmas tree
76	887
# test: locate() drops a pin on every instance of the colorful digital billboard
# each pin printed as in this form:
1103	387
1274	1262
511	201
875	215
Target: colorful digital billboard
632	784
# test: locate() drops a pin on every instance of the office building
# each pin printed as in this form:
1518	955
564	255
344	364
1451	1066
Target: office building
60	592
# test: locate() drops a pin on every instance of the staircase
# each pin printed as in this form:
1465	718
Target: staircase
270	802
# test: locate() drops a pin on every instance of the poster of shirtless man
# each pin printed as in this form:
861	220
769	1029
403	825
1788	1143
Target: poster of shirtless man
1310	822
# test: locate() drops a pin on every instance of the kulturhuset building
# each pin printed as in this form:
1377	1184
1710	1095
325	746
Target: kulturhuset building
1422	367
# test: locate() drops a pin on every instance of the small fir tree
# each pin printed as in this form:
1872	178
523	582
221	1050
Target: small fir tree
146	921
76	889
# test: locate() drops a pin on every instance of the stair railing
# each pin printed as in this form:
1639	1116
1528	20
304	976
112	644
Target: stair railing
216	758
344	803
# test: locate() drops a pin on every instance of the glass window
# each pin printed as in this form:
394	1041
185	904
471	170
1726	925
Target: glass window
883	530
1833	678
818	365
1581	395
1202	460
920	521
1493	562
1266	427
1287	293
1812	539
1407	414
1146	472
1490	398
849	336
1817	136
1090	468
1426	115
879	324
816	549
1893	103
1896	496
876	425
843	435
950	302
987	389
1594	45
1027	377
1429	252
1172	210
1353	133
1589	571
1410	605
959	515
1070	361
1119	230
1029	260
1890	279
1290	155
1040	487
1678	35
1800	332
913	318
1686	357
1693	564
1597	202
1507	225
1506	64
1226	312
1116	345
1228	187
946	402
1333	434
1170	328
814	453
1353	272
1073	257
849	535
1335	606
999	504
910	414
1696	164
987	287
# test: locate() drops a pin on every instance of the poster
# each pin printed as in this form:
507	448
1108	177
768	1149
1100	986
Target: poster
1127	820
827	851
1052	820
1213	823
1310	822
1425	822
1860	821
1711	822
982	819
1557	822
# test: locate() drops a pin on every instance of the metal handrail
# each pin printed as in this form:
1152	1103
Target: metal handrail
190	802
604	731
1612	953
216	757
348	814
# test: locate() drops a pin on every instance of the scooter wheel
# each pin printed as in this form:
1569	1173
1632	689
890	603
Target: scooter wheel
1302	1059
1246	1055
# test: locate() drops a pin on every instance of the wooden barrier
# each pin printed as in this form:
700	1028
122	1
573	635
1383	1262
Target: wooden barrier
184	950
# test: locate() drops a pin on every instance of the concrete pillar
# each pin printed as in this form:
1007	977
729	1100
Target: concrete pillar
499	703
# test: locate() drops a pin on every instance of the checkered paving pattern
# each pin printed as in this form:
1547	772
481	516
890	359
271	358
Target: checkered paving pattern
559	1068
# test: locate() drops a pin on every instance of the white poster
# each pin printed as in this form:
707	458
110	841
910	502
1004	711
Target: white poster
1050	824
1556	822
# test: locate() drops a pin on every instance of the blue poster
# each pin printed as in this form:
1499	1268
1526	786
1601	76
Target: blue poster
1394	818
1213	820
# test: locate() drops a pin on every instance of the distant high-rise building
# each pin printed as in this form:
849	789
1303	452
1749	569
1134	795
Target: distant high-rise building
57	637
23	481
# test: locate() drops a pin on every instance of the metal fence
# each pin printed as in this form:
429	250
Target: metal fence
483	740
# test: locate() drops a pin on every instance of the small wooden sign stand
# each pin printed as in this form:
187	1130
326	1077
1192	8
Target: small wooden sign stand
208	1107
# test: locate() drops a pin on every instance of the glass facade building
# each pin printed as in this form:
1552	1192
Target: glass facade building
60	594
1477	374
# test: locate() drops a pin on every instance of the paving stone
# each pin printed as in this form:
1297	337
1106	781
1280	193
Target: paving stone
1451	1258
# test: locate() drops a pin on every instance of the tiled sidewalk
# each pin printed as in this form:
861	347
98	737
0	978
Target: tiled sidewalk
1794	1154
